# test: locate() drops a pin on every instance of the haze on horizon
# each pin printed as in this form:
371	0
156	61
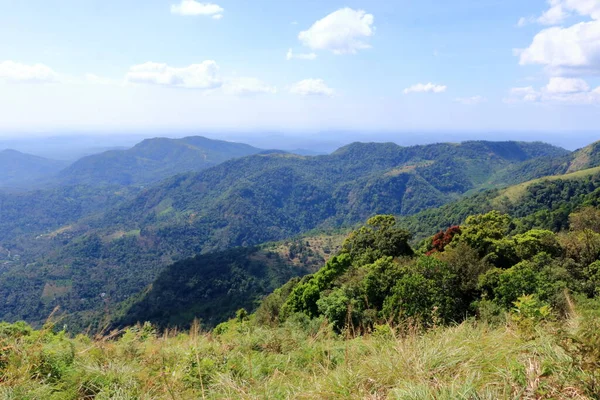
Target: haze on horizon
379	69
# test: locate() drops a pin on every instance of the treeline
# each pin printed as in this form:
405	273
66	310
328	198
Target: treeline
482	269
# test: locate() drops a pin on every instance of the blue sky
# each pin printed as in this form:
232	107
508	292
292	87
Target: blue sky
412	65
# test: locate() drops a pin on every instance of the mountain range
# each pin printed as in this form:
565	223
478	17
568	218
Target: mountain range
118	249
19	170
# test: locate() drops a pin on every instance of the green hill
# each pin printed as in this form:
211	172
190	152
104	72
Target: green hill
544	203
484	314
587	157
214	286
151	161
20	171
242	202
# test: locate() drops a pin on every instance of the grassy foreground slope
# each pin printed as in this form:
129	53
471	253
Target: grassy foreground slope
307	361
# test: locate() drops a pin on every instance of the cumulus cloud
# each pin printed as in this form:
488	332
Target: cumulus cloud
312	87
425	88
575	49
247	87
555	15
15	72
344	31
560	10
470	101
567	85
196	76
194	8
558	90
571	50
290	55
527	94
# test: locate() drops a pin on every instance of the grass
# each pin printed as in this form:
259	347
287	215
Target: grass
298	360
514	193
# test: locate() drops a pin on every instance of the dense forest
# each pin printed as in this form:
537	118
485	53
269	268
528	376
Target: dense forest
543	206
475	312
255	278
242	202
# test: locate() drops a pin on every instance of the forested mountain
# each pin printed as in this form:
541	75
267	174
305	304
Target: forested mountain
152	160
19	171
242	202
480	312
214	286
587	157
540	204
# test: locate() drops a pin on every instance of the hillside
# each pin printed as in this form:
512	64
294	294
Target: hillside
544	203
151	161
484	314
587	157
20	171
212	287
242	202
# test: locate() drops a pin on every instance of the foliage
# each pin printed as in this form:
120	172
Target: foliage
90	265
483	267
243	361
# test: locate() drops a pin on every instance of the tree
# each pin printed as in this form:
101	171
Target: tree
379	238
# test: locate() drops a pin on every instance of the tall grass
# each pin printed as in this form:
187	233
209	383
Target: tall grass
298	360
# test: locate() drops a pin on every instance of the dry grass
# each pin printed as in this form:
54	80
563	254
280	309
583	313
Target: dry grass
468	361
514	193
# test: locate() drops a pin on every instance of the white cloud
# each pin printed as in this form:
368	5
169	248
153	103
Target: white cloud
11	71
522	22
471	101
558	90
555	15
247	87
195	76
527	94
312	87
566	85
290	55
342	32
575	49
425	88
560	10
194	8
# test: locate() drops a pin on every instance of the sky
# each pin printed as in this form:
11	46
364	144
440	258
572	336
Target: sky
478	66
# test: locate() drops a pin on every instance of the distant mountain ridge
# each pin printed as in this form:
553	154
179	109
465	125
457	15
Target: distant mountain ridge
20	171
544	203
587	157
243	202
152	160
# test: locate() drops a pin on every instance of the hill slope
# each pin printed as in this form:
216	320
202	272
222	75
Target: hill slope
152	160
244	202
543	203
587	157
21	171
212	287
